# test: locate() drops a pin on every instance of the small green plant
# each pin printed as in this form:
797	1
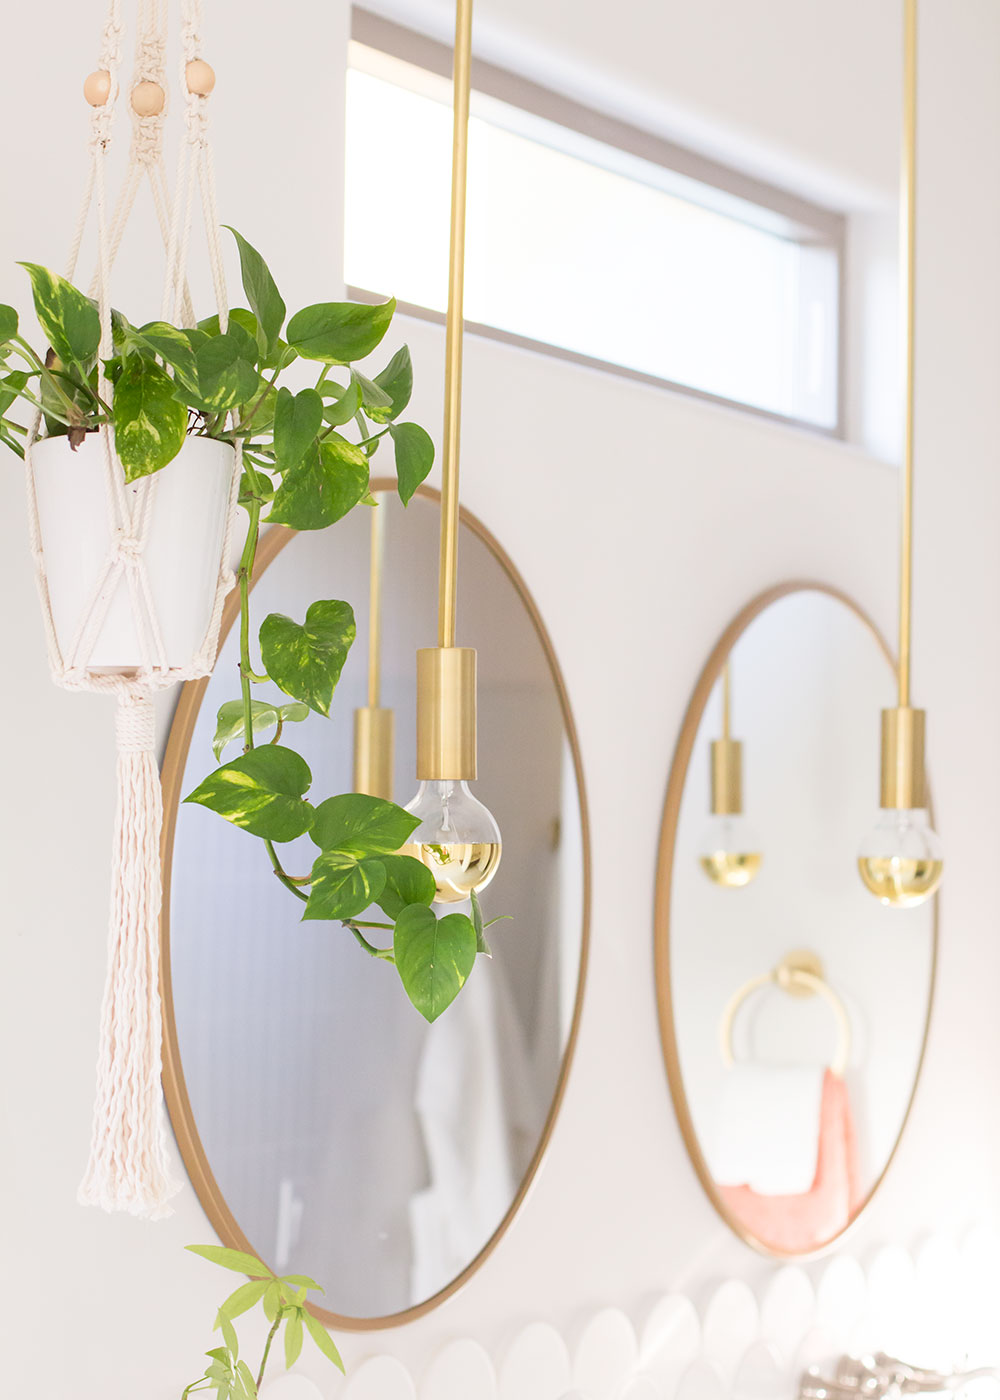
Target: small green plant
283	1302
300	469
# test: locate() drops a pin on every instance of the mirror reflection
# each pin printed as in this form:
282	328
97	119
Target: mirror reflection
325	1124
794	1007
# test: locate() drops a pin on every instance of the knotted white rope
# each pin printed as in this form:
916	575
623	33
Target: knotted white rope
129	1166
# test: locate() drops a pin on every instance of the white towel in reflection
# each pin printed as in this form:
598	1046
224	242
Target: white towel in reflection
471	1114
767	1129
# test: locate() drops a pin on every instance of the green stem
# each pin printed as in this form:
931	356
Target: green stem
267	1346
49	412
245	574
286	879
28	354
85	385
242	427
246	672
384	953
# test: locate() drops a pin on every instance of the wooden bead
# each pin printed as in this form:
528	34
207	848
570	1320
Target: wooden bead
200	77
148	99
97	87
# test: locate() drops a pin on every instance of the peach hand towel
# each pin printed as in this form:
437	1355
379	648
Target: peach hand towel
800	1223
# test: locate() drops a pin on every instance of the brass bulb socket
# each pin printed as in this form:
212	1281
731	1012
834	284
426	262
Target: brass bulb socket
904	781
727	777
374	751
446	713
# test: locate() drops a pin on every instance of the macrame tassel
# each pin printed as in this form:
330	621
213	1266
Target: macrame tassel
129	1167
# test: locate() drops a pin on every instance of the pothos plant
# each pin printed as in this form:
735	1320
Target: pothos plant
300	469
283	1302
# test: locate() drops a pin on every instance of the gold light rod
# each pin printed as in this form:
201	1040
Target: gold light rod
448	581
907	260
374	728
376	553
726	760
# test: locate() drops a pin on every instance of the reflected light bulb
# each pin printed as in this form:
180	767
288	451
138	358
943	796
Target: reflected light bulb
457	839
901	861
730	852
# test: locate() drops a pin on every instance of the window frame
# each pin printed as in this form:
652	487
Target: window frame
807	222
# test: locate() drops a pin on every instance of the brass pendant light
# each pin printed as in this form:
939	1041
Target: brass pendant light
374	727
901	859
458	839
729	852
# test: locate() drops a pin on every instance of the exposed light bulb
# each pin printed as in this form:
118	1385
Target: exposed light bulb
730	851
901	861
457	839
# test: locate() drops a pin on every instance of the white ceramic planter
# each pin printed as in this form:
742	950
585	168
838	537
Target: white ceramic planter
181	556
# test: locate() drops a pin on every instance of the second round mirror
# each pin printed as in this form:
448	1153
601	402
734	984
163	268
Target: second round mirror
793	1006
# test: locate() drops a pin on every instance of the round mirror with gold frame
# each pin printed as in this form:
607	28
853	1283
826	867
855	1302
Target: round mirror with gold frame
325	1126
793	1006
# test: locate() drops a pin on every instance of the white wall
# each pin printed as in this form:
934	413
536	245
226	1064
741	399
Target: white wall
611	497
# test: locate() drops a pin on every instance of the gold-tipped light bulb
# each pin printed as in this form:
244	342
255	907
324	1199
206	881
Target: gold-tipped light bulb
458	839
901	860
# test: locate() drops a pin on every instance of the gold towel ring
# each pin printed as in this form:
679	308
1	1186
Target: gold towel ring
800	974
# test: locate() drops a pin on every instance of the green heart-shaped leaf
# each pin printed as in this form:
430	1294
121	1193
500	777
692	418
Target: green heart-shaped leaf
414	457
338	332
346	402
225	377
262	293
68	319
343	886
229	721
10	388
407	881
297	420
173	346
361	825
330	480
241	324
306	661
150	424
433	957
8	323
262	792
373	399
396	380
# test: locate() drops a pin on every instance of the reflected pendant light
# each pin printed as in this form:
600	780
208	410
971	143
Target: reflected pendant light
729	852
901	860
458	839
374	726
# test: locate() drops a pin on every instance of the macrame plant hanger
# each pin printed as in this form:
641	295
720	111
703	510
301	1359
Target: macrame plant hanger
129	1167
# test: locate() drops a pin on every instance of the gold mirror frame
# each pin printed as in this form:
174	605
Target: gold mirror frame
182	1118
661	917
